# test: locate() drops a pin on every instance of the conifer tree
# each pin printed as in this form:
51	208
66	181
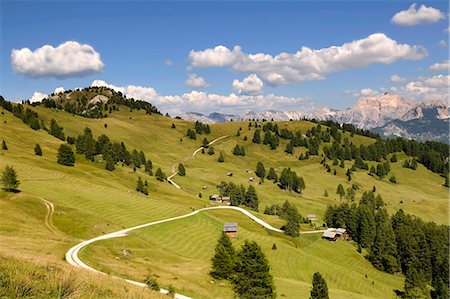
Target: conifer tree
319	289
340	191
289	148
4	146
110	163
393	179
223	261
65	155
383	254
211	150
205	143
37	150
160	176
260	170
181	170
140	185
252	277
251	198
148	167
257	136
221	158
272	175
9	179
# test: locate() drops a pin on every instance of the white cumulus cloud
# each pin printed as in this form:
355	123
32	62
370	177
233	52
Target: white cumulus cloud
413	16
195	81
59	90
70	59
250	85
308	64
440	66
37	97
206	102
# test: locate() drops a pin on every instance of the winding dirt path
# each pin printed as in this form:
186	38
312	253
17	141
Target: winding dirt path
175	166
48	221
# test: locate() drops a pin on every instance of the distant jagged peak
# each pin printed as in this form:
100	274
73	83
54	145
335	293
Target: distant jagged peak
385	100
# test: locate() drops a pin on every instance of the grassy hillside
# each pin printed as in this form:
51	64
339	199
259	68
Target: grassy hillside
90	201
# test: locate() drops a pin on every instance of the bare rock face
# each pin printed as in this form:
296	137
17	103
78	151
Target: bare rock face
376	111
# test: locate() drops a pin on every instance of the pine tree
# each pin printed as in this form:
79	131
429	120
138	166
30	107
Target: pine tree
205	143
252	277
272	175
319	289
260	170
148	167
9	179
223	261
221	158
211	150
325	194
257	136
251	198
340	191
173	126
415	284
110	163
160	176
372	170
393	179
4	146
65	155
414	164
140	185
37	150
289	148
383	254
366	226
181	170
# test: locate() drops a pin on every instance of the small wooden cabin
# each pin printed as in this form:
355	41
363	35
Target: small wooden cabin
231	229
329	235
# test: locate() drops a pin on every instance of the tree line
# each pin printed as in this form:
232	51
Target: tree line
401	243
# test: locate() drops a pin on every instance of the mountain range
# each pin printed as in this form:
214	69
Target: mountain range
389	115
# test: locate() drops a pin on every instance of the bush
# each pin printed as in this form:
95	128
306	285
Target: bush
37	150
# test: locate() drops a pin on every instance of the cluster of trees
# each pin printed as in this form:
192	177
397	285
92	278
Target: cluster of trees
287	212
9	179
381	170
28	116
79	103
239	150
201	128
112	152
399	243
142	186
191	134
248	269
56	130
240	196
411	164
289	180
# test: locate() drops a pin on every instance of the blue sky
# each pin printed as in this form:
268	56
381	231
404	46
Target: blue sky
136	39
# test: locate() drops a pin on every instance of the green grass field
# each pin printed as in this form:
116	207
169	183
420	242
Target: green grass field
91	201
